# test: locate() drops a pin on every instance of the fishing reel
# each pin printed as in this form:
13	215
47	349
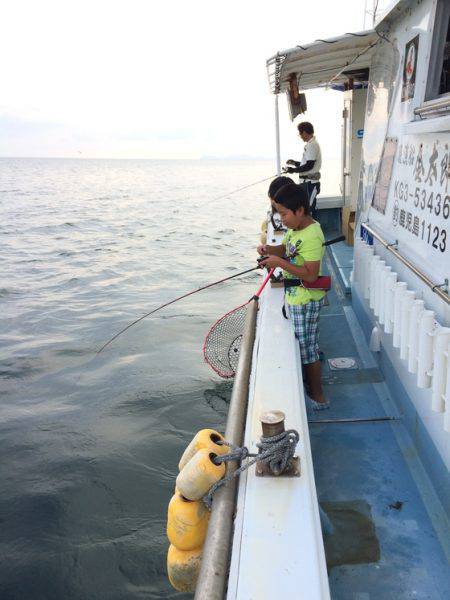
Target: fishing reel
275	280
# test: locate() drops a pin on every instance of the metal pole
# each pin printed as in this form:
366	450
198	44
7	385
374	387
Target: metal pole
434	287
356	420
216	551
277	135
433	106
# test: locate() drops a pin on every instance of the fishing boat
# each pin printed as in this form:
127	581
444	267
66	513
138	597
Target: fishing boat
365	512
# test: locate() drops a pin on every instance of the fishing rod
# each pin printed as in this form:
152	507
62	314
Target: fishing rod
340	238
173	301
204	287
245	187
201	288
223	341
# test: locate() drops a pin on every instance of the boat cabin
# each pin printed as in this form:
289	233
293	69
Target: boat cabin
368	516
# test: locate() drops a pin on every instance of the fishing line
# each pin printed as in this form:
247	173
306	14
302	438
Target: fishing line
199	289
245	187
172	302
204	287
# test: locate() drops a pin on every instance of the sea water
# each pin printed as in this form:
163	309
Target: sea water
89	444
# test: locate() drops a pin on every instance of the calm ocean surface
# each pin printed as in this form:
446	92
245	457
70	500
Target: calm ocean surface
89	446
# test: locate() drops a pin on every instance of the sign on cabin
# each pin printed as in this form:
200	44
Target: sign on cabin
411	198
420	201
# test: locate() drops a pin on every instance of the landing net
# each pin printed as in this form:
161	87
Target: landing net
223	342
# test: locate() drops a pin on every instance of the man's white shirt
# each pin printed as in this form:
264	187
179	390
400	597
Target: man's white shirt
312	152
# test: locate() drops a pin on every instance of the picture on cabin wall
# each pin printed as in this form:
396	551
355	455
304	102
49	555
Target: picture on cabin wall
410	68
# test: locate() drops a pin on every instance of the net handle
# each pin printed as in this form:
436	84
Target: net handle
263	285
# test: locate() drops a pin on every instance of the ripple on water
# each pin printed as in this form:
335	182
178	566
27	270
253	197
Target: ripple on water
90	446
20	367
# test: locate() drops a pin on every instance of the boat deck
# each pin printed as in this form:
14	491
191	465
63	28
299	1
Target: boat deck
391	537
341	256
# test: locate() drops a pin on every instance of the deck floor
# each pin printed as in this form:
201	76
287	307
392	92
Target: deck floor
342	258
369	463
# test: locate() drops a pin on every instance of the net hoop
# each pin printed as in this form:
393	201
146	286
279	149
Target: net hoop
211	356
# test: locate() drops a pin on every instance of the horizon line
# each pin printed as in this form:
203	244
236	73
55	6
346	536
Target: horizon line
140	158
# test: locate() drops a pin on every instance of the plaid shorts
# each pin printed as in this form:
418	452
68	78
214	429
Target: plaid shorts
305	318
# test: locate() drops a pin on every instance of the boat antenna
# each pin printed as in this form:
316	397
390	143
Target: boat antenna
375	10
365	14
204	287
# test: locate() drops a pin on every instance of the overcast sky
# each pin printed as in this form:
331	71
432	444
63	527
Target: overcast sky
158	79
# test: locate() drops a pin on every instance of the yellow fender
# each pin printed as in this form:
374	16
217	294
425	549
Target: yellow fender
199	474
206	438
187	522
183	567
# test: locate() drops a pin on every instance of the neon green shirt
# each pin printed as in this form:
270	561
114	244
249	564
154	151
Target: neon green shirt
303	246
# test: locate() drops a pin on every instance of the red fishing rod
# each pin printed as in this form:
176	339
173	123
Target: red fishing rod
223	341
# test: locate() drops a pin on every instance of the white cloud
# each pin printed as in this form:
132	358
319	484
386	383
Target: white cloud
143	78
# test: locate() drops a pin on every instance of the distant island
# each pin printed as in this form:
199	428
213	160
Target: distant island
235	157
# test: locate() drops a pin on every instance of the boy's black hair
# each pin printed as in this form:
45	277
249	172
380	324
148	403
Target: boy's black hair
277	184
306	128
293	196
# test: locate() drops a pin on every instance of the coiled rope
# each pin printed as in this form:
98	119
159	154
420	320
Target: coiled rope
276	451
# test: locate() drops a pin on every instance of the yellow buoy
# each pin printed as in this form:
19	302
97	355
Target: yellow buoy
187	522
183	567
206	438
199	474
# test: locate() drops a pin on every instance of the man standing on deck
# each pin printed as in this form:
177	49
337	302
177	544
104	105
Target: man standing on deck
309	167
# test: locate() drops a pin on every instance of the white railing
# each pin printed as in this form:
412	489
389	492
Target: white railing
423	343
413	335
427	326
441	379
400	290
407	302
440	289
389	310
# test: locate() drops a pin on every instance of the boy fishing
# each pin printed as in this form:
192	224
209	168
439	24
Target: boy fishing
273	215
300	256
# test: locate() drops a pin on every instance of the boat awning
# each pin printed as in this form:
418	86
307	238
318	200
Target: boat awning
323	62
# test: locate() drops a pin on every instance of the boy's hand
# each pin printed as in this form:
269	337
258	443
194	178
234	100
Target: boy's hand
290	162
272	262
262	250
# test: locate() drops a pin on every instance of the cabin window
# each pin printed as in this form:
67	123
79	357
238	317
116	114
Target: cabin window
439	72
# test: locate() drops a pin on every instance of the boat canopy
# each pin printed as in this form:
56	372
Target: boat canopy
323	63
